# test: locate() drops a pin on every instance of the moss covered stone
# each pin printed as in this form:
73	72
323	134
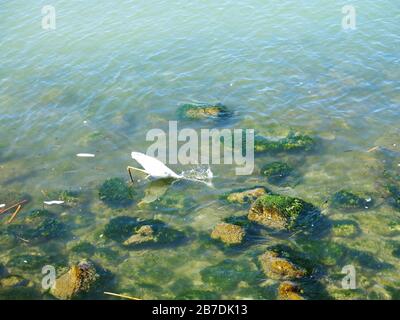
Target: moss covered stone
345	199
325	252
245	196
116	193
203	111
276	267
289	291
292	142
229	234
281	212
276	171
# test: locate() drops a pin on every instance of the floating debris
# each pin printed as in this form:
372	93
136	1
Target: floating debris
123	296
14	214
50	203
2	205
85	155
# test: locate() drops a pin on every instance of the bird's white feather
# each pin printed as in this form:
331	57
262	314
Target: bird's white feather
154	167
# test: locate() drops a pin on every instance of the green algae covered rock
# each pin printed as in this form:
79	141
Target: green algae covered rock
40	225
282	212
347	200
132	232
345	228
245	196
229	234
276	267
292	142
116	193
203	111
78	280
227	274
276	172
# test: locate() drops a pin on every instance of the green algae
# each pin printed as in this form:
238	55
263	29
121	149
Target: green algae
345	228
291	143
116	193
40	225
276	172
226	275
203	111
348	200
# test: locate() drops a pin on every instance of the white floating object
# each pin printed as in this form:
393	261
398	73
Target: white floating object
86	155
49	203
2	205
154	167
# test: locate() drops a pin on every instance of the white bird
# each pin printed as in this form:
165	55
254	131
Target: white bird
155	169
152	167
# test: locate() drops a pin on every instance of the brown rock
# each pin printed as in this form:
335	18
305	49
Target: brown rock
289	291
246	196
144	234
279	268
228	233
77	280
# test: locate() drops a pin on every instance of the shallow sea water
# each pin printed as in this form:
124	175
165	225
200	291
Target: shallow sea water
112	71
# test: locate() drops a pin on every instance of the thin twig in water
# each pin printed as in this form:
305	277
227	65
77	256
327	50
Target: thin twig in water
13	206
14	214
121	296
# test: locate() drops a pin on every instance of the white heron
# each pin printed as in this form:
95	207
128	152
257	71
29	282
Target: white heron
155	169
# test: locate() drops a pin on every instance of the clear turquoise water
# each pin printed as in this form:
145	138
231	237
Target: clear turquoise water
124	68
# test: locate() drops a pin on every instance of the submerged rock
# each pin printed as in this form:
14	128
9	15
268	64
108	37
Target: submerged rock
276	171
275	267
344	228
344	199
40	225
173	202
131	232
13	281
229	234
142	235
244	196
116	193
203	111
289	291
84	248
227	274
292	142
281	212
79	279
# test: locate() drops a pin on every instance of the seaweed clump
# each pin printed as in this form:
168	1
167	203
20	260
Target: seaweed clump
289	291
203	111
131	232
281	212
40	225
345	199
276	171
116	193
292	142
